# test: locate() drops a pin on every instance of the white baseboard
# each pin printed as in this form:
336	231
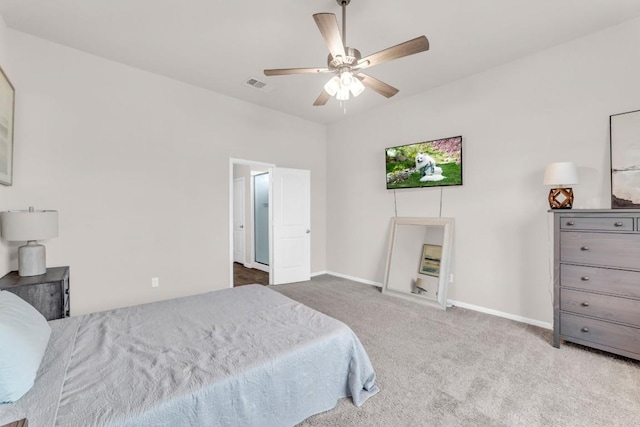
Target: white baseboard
260	267
460	304
355	279
510	316
318	273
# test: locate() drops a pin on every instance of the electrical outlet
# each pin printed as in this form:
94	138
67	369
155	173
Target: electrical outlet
155	282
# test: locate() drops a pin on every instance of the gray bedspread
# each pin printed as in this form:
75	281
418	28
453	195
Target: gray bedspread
246	356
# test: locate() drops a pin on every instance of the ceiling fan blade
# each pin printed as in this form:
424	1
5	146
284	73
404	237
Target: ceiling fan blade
379	86
287	71
411	47
322	99
328	25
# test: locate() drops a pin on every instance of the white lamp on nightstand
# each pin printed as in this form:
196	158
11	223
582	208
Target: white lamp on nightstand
561	175
30	226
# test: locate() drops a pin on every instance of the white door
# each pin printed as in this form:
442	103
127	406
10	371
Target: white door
238	220
291	225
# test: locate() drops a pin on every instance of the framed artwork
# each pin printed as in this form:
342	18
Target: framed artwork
7	101
430	261
624	131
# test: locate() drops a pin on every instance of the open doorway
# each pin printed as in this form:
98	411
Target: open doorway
250	222
288	225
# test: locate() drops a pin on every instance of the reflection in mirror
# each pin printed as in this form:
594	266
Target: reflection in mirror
419	258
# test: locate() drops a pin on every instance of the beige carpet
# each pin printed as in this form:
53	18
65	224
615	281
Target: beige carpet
464	368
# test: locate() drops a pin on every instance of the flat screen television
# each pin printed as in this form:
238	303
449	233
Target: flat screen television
425	164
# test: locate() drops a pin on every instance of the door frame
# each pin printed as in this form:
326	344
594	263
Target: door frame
235	161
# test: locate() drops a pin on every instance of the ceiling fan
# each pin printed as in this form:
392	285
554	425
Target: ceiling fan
347	63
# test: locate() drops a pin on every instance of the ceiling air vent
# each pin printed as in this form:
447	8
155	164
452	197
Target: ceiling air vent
257	84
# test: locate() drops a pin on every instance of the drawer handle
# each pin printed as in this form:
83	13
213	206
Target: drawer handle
585	278
585	329
584	248
570	223
585	304
618	224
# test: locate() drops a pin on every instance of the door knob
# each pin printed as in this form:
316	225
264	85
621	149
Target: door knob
242	226
308	231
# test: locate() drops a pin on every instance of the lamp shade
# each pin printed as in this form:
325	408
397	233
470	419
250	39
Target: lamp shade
332	86
561	174
356	87
29	225
343	93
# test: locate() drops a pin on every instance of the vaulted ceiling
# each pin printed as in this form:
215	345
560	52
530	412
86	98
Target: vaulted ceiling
218	45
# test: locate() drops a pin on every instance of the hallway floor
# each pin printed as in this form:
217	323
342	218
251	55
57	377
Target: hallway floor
248	276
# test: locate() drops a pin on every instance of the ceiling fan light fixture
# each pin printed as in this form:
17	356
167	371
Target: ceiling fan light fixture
343	94
347	63
332	86
356	87
346	78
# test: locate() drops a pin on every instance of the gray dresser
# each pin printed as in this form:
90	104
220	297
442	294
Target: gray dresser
597	279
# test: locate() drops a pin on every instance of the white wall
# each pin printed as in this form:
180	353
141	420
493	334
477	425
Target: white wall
514	119
138	167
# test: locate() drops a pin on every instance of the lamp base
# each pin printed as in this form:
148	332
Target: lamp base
561	198
32	259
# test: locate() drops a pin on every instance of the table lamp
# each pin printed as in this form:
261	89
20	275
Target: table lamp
560	175
30	226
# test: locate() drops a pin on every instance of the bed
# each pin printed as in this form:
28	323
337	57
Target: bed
247	356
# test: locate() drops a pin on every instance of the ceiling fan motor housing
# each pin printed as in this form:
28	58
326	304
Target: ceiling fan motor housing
352	58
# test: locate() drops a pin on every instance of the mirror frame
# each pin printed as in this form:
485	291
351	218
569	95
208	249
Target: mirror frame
445	262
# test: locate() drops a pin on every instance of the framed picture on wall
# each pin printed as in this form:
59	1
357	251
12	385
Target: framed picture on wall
624	131
7	101
430	261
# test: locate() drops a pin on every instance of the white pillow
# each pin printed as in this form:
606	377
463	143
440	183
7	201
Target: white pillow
24	335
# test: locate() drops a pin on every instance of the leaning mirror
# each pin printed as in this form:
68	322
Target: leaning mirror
418	260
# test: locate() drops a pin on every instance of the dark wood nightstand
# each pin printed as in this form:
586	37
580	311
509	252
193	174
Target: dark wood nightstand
48	293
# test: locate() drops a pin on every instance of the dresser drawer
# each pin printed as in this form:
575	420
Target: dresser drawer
605	249
597	223
619	282
624	338
605	307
